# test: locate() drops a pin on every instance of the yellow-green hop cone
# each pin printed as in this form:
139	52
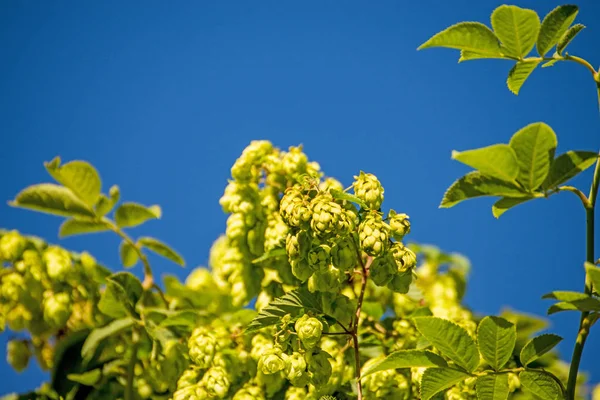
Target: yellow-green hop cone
12	245
329	280
18	354
273	361
240	198
58	262
294	207
19	318
344	254
296	370
216	382
294	162
189	377
296	393
236	228
250	391
373	235
331	184
326	215
297	245
383	269
319	368
319	257
57	309
368	188
399	224
401	282
309	330
301	269
202	347
405	258
276	233
13	287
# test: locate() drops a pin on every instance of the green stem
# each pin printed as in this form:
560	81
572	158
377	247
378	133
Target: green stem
354	331
131	366
585	322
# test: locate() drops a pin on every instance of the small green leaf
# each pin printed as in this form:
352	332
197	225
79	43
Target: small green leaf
452	340
537	347
498	161
123	290
474	184
79	226
496	338
568	165
270	254
99	334
564	295
567	37
406	359
540	386
517	28
550	63
469	36
554	25
162	249
79	176
466	55
89	378
133	214
339	195
506	203
52	199
535	145
492	387
129	255
587	306
106	204
437	379
519	74
593	273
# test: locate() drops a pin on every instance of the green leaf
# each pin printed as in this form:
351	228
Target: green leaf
506	203
554	25
106	204
79	176
564	295
498	161
99	334
270	254
535	145
519	74
52	199
133	214
568	165
469	36
583	306
566	38
452	340
492	387
123	290
593	273
339	195
496	338
517	28
537	347
129	255
540	386
291	303
162	249
437	379
89	378
527	325
406	359
550	63
466	55
72	227
474	184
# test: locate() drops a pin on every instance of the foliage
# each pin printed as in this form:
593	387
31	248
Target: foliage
312	292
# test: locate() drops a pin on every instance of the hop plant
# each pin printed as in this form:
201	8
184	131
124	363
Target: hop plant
368	188
12	244
309	330
202	347
58	262
273	361
18	354
57	309
399	225
374	235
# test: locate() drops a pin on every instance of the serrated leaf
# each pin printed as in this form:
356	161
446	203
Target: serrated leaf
496	338
554	25
517	28
568	165
97	335
519	74
339	195
162	249
129	255
567	37
122	292
406	359
474	184
469	36
106	204
506	203
52	199
492	387
129	215
498	161
527	325
89	378
540	385
466	55
537	347
79	176
452	340
72	227
437	379
291	303
593	272
535	145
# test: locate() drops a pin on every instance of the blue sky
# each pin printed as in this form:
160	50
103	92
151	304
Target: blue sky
162	97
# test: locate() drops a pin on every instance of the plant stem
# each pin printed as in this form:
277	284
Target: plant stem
585	322
354	331
131	366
